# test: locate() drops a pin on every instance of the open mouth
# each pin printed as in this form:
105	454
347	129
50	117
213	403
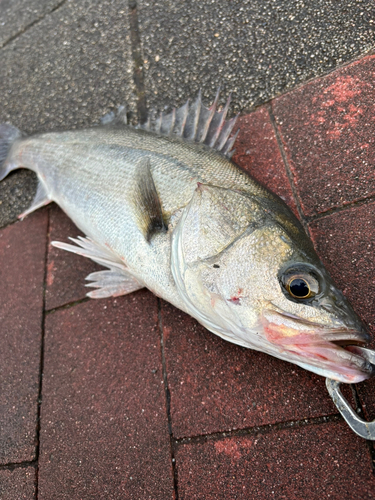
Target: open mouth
329	352
336	359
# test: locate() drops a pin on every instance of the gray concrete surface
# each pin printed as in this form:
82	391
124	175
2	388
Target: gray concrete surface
65	64
17	15
65	72
253	48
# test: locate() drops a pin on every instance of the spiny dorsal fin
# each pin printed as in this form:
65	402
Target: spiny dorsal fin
199	124
118	118
146	201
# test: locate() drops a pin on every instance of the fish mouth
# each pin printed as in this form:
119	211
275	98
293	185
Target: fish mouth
325	351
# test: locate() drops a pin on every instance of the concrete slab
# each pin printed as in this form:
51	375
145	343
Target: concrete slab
65	72
104	427
18	483
22	254
18	15
314	462
253	48
327	128
17	191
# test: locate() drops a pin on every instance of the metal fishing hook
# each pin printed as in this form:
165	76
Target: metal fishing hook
361	427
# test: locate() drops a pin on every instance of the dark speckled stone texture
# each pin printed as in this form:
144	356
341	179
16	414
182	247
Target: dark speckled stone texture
104	424
65	72
328	131
18	15
17	484
253	48
315	462
22	256
216	386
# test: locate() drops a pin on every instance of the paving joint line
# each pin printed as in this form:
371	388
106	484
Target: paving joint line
19	465
41	365
334	210
30	25
136	53
168	401
68	305
360	410
287	167
369	52
260	429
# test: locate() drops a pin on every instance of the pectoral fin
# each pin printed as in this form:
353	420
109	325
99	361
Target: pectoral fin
117	281
147	204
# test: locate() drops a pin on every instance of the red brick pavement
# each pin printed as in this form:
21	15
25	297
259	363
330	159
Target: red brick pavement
18	483
138	400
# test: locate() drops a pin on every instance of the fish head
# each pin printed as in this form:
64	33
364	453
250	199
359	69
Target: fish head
247	271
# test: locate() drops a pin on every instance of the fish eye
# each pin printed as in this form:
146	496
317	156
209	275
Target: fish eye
300	284
298	288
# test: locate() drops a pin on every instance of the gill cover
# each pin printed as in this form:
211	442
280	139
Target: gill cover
212	222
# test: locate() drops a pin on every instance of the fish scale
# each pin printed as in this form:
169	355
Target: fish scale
163	206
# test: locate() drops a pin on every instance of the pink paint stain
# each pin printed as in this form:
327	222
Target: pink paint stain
229	448
50	273
345	88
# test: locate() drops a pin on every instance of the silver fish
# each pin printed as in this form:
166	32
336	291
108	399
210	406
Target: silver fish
163	207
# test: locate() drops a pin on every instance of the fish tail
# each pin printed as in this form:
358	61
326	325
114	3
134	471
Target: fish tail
8	135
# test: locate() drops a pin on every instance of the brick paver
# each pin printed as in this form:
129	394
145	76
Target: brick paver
257	151
238	418
353	269
104	423
313	462
328	131
346	242
22	254
18	484
216	386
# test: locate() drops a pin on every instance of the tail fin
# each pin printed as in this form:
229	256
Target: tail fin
8	135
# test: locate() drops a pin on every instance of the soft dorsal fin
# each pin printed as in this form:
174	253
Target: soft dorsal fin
198	124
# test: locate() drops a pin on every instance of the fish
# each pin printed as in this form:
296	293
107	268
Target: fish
163	206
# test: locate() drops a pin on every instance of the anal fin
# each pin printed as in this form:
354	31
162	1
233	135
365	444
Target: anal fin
41	199
109	283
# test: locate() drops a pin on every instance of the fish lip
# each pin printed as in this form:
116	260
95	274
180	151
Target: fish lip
346	336
338	362
323	350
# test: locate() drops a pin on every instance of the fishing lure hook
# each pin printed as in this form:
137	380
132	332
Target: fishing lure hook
361	427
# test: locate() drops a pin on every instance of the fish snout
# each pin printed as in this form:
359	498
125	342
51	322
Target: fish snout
326	351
